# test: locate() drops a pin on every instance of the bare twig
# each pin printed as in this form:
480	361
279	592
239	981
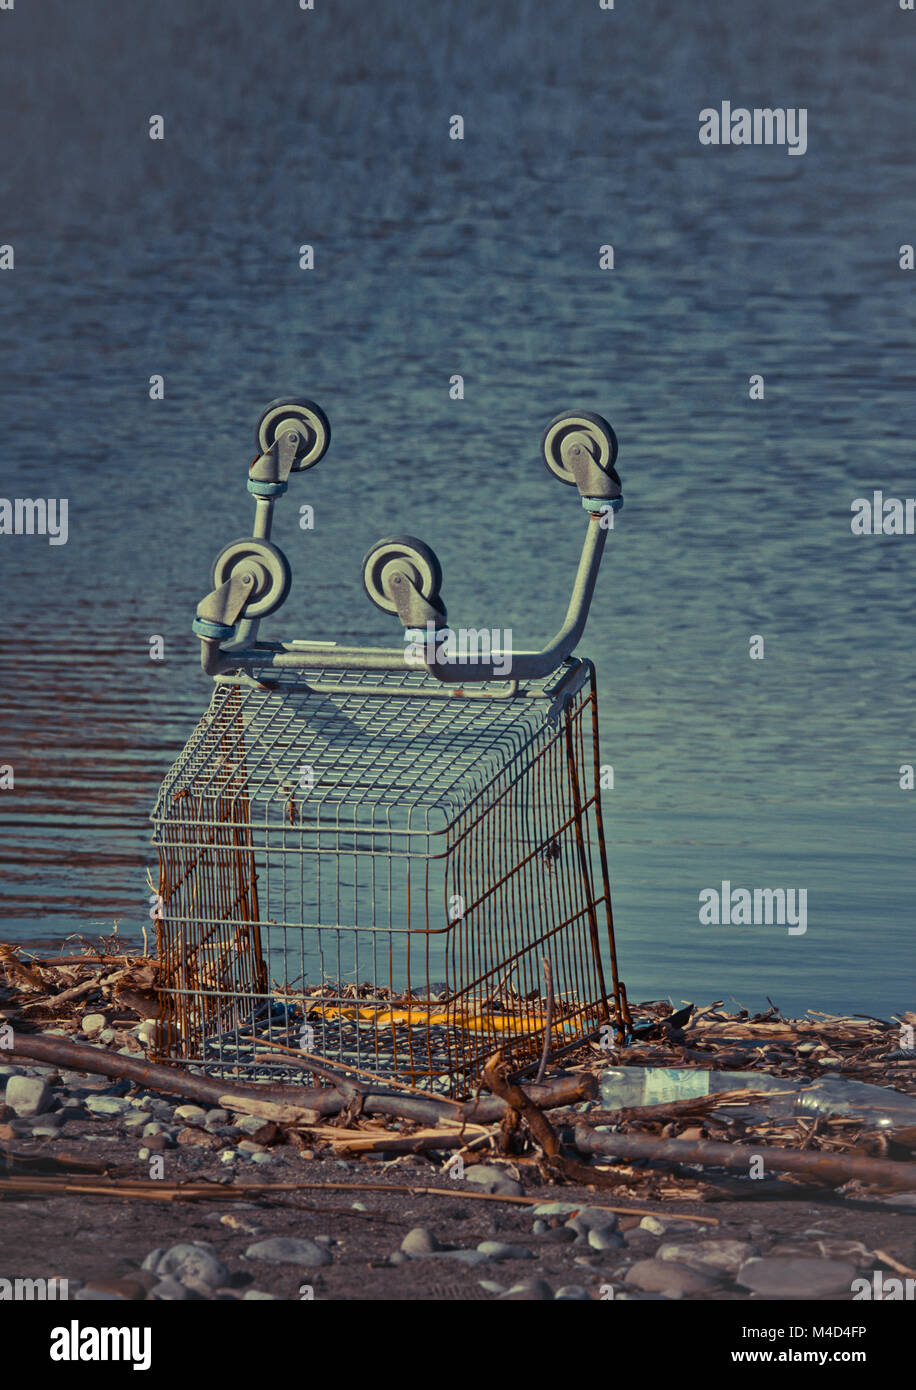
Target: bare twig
548	1021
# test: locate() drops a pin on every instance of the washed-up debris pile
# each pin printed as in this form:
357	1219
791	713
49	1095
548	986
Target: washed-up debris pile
678	1110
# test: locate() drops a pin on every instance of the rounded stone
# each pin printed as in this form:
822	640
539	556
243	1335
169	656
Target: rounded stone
664	1276
194	1263
503	1250
107	1105
725	1255
289	1250
419	1241
782	1276
28	1095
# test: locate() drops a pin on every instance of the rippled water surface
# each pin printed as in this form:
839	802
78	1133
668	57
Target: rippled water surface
433	257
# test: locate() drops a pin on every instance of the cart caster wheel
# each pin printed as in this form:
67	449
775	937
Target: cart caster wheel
426	568
309	419
600	436
273	582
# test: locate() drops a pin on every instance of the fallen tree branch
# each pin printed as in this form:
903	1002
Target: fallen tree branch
540	1127
710	1153
54	1001
547	1095
50	1163
263	1099
541	1130
54	1051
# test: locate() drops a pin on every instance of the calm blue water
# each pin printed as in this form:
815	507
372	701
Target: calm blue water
433	257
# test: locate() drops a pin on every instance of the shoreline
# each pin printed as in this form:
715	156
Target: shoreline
390	1224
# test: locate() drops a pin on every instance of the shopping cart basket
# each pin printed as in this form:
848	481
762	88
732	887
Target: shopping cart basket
393	858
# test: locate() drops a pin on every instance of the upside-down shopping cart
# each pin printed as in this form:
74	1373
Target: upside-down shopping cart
393	858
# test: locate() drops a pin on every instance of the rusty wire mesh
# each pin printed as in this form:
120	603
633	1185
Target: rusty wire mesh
376	873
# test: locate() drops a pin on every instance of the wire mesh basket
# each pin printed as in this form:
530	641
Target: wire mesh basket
400	870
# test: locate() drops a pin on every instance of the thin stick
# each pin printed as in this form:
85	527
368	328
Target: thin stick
389	1083
548	1024
895	1264
158	1190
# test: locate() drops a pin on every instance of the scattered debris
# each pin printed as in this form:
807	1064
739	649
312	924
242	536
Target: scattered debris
688	1145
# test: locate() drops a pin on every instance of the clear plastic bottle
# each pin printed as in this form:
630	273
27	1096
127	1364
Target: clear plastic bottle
832	1094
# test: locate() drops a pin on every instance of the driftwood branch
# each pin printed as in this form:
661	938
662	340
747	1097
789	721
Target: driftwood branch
265	1099
833	1168
541	1130
540	1127
81	1057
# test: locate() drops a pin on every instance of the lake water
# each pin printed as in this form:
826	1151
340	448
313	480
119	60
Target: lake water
480	257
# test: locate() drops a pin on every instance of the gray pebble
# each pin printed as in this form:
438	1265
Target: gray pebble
664	1276
559	1208
160	1107
782	1276
191	1114
250	1123
170	1290
501	1250
724	1255
289	1250
52	1119
107	1105
605	1240
653	1225
530	1290
137	1117
493	1180
593	1219
419	1241
195	1263
28	1095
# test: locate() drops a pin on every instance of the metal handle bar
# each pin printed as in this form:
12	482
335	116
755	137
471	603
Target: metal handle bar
524	665
401	575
